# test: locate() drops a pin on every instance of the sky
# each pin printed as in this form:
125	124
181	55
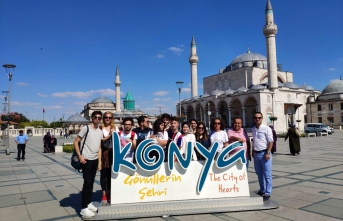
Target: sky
66	51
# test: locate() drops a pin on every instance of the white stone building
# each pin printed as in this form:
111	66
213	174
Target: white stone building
251	82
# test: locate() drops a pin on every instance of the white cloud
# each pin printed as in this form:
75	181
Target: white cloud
23	84
161	93
42	95
16	103
157	99
159	56
80	94
176	50
332	69
81	103
162	99
186	89
53	107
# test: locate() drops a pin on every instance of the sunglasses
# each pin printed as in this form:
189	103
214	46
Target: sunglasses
108	117
127	124
217	123
257	118
95	117
201	128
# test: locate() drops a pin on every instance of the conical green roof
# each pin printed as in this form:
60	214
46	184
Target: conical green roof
128	97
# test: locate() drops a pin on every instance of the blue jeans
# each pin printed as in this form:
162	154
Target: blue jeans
263	169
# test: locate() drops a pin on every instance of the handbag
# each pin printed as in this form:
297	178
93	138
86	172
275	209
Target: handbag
105	144
75	162
297	132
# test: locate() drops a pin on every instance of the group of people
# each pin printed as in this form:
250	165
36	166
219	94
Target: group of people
49	143
94	156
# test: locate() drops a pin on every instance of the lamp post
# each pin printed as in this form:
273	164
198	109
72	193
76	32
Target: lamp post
5	93
9	69
209	116
179	86
54	124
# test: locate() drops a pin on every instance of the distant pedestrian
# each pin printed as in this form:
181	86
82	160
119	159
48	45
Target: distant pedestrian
52	144
21	141
46	141
294	141
262	146
61	133
274	138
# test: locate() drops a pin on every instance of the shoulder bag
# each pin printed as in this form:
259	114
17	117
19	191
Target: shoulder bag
75	162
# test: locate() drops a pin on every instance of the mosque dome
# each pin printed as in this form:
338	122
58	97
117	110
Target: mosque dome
242	89
336	86
258	87
101	100
291	85
186	99
248	59
279	84
76	118
205	95
306	87
195	98
229	91
217	92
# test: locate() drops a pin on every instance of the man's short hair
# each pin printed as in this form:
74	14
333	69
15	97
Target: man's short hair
237	118
141	119
96	113
165	115
257	112
174	119
21	131
128	119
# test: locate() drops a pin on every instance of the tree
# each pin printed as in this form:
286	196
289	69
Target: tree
57	124
24	124
23	118
37	123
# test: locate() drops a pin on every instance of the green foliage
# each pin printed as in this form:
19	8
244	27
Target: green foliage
23	118
37	123
68	148
24	124
57	124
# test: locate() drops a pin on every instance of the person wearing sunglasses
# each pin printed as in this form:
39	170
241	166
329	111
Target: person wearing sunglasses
237	133
218	134
193	123
90	161
107	127
262	146
202	137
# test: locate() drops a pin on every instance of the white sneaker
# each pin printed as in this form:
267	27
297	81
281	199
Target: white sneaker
87	213
92	208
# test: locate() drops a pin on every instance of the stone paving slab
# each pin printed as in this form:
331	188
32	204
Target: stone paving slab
308	186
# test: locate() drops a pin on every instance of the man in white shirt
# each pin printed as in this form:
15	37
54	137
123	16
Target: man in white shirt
90	158
127	136
262	146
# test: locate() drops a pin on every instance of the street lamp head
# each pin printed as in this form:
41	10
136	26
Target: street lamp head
9	67
179	83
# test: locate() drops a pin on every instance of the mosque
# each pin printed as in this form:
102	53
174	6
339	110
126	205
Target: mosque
253	82
103	104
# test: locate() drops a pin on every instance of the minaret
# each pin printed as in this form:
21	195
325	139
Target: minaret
270	30
117	83
193	60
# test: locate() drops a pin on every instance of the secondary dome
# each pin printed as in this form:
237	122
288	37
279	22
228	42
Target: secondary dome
101	100
306	87
291	85
336	86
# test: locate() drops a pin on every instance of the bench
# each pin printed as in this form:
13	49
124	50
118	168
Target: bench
58	149
311	135
321	134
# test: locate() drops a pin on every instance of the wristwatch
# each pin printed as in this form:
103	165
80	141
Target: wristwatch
268	152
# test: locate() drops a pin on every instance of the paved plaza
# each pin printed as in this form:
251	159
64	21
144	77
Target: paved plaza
307	187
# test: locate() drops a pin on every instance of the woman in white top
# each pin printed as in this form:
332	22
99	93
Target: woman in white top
218	134
108	128
160	136
186	138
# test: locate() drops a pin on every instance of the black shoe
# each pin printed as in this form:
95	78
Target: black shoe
260	193
23	158
266	197
18	159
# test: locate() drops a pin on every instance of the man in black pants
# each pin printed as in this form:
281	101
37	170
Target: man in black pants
90	159
21	141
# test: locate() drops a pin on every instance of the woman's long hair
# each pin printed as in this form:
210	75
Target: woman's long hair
222	124
103	120
156	126
204	135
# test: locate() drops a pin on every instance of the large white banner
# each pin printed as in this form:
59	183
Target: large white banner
152	180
